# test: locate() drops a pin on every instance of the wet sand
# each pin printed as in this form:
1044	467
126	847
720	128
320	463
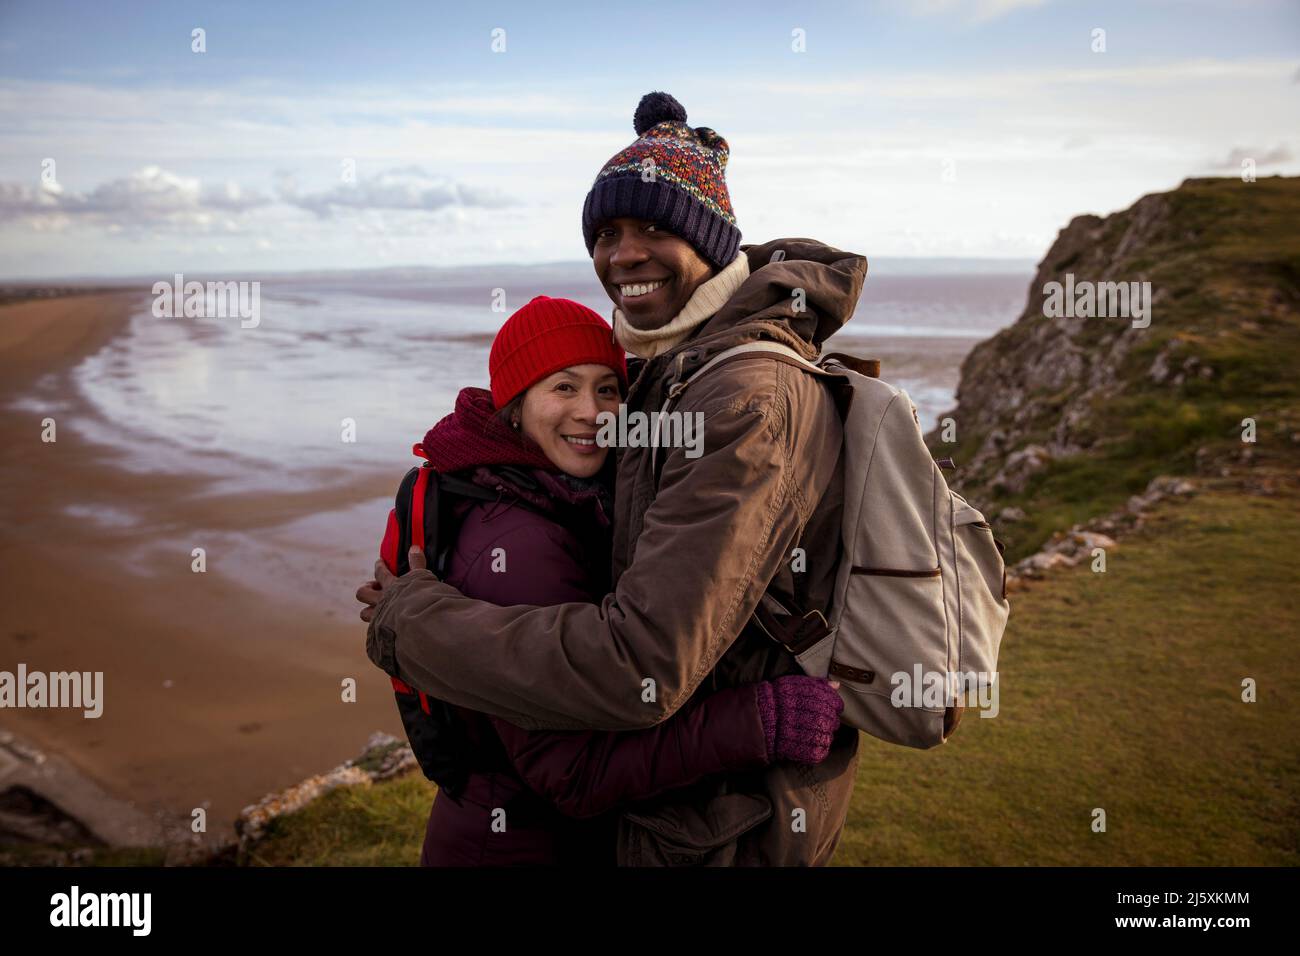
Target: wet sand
214	694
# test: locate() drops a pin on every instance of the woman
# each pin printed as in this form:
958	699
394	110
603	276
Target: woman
548	797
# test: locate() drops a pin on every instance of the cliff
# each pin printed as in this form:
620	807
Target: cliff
1061	417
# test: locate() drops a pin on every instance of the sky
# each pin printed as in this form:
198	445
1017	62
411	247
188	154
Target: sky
329	135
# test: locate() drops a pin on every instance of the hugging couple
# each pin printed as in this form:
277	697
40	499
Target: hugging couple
595	626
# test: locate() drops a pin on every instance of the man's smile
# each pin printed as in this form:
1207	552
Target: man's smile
640	292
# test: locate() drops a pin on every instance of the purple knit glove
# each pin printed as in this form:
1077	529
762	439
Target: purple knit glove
800	716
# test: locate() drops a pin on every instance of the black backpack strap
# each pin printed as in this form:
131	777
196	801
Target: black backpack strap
432	510
440	737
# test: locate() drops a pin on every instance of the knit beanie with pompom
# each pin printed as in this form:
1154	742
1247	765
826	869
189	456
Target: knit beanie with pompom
672	174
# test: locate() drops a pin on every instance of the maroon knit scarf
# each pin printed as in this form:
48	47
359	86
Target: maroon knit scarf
474	435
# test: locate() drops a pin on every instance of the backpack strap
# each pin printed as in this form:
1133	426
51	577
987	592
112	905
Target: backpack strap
795	632
424	509
782	353
417	505
441	737
792	630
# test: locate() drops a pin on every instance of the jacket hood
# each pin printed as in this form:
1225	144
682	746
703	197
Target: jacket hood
764	308
764	305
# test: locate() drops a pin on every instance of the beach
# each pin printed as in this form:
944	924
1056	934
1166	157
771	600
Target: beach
214	693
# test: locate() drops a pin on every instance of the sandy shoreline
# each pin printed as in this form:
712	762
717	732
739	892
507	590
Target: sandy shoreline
214	695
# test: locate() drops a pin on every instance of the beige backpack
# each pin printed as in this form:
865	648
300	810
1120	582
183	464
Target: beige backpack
919	606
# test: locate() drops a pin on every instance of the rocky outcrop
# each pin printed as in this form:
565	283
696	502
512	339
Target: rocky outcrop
1107	403
1028	394
57	814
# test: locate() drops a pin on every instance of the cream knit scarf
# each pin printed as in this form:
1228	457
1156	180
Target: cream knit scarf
702	305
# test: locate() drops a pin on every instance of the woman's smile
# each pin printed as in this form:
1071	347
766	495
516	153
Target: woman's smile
582	444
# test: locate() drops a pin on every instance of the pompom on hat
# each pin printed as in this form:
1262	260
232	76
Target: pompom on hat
545	336
687	187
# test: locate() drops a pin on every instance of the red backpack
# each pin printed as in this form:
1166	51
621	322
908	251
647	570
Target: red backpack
426	513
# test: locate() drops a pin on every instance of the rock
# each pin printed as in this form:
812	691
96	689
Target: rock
1159	370
1010	514
1159	487
385	756
1020	466
1091	539
1042	561
1163	485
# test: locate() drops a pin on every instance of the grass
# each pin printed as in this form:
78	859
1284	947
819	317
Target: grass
1121	691
378	825
23	854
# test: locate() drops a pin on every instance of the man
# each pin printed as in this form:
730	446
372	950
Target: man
696	545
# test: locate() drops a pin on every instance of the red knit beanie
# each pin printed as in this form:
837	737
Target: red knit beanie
545	336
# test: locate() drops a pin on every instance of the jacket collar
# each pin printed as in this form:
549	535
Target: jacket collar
766	307
549	491
703	304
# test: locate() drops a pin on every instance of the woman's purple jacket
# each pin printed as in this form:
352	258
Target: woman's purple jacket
560	790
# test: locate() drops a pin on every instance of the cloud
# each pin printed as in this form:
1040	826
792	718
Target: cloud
150	197
407	188
869	147
1262	157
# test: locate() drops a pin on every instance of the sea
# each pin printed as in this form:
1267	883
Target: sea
346	370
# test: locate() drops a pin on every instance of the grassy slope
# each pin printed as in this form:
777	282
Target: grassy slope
1120	690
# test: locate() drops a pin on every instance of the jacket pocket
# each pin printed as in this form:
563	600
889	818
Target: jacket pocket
688	834
900	625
